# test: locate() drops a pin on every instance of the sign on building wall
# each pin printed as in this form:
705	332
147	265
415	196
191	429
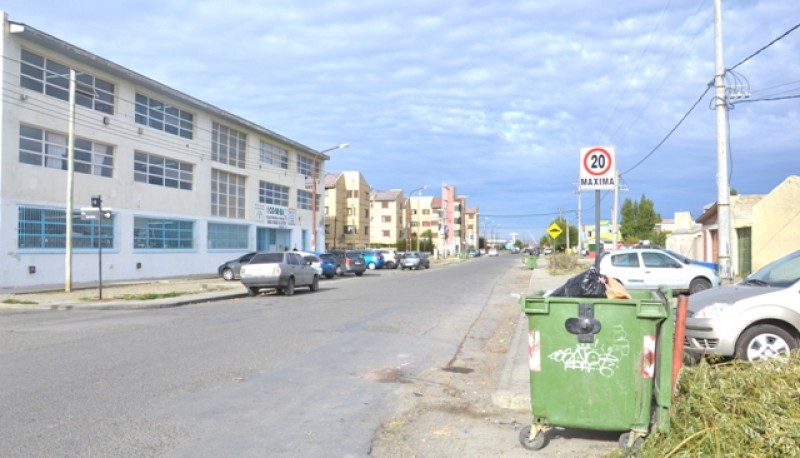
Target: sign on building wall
275	215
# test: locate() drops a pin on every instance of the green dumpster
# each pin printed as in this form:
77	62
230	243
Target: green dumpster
530	261
600	364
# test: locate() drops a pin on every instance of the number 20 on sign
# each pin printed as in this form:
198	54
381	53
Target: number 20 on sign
598	167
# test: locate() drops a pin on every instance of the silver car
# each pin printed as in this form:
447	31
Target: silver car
757	318
279	271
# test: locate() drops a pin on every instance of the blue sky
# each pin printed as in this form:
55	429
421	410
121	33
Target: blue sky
494	97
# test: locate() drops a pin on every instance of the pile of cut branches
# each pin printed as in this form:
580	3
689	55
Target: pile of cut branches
733	409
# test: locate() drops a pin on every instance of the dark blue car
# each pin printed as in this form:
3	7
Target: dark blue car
328	264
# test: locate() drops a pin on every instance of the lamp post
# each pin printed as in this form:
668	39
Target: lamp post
314	193
408	234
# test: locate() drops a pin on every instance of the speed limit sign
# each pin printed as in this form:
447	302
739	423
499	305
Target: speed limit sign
598	167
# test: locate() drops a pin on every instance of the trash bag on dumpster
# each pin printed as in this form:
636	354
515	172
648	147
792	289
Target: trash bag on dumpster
587	284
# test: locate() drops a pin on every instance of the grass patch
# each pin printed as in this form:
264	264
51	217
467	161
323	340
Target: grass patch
11	300
733	409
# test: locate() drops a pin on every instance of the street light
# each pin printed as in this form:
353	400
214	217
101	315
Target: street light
408	234
314	193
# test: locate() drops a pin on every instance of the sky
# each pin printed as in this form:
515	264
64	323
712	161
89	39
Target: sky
496	98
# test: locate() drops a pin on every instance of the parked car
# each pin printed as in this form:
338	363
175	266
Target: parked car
280	271
373	258
229	270
349	262
315	261
415	260
328	264
645	268
493	251
473	253
757	318
391	258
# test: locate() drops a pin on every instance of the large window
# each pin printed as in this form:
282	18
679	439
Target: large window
303	200
161	171
43	75
228	146
304	166
159	115
227	194
47	228
49	149
275	194
233	236
273	155
163	234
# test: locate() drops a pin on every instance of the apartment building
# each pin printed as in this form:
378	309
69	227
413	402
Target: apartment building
386	218
182	185
347	211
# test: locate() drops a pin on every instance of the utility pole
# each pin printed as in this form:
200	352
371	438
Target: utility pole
614	225
723	191
70	183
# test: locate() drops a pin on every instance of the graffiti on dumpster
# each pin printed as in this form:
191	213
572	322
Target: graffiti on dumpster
593	357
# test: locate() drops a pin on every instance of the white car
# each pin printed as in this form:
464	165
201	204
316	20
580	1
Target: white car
757	318
493	251
281	271
650	268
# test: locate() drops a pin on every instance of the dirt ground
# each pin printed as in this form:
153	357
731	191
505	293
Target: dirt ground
449	411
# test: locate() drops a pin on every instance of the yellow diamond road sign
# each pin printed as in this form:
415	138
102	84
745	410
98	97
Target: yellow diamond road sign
554	230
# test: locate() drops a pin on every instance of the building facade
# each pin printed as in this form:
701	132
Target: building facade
386	218
185	185
347	211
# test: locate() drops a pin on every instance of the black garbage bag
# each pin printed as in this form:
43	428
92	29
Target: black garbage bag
587	284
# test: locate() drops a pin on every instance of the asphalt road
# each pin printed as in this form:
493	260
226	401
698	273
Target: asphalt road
307	375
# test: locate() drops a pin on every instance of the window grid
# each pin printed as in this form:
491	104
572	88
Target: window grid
162	234
49	149
233	236
47	228
159	115
273	155
227	194
161	171
228	146
303	200
48	77
274	194
304	166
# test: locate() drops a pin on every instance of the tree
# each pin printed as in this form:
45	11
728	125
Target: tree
638	220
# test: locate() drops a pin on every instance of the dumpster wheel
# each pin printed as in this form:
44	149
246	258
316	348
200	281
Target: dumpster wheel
538	441
631	442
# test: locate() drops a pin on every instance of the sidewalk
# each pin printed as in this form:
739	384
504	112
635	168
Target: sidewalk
160	293
514	389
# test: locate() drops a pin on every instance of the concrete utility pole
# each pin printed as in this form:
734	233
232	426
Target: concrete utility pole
723	190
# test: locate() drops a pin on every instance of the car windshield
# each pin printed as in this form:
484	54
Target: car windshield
409	255
780	273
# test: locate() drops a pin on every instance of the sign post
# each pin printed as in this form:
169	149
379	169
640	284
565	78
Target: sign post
97	214
598	171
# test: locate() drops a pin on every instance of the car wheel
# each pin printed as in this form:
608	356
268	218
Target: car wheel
227	274
328	276
358	274
252	291
699	284
371	266
289	289
764	341
339	271
314	284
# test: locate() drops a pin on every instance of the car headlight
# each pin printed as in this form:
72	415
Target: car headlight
712	311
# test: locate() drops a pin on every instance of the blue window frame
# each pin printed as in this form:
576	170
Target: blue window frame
234	236
162	234
46	228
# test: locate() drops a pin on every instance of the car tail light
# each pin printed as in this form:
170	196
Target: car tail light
348	261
